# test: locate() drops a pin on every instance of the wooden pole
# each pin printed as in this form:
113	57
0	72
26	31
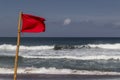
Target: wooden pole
17	48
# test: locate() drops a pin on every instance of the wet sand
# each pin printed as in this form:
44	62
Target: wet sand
59	77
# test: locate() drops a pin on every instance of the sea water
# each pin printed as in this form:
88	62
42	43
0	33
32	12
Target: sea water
84	56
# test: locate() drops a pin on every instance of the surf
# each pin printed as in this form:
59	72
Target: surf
53	70
10	47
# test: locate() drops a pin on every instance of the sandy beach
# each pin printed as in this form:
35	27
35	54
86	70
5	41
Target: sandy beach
59	77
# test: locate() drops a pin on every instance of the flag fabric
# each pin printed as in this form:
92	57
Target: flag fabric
32	23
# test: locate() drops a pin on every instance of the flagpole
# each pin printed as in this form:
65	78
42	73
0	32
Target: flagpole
17	47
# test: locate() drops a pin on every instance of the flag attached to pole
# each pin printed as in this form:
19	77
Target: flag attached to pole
32	23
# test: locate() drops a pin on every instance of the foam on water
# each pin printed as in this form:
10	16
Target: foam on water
48	52
53	70
11	47
58	57
76	57
105	46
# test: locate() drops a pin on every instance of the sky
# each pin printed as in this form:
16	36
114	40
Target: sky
64	18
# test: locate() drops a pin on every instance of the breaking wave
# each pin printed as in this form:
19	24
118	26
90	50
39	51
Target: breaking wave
10	47
73	64
77	57
94	57
105	46
53	70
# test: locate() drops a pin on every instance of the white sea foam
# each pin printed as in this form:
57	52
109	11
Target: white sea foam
36	47
105	46
7	47
10	47
47	52
53	70
76	57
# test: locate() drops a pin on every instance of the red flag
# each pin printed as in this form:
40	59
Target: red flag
32	23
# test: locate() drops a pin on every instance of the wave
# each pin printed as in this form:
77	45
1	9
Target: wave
105	46
53	70
10	47
94	57
58	63
88	46
59	47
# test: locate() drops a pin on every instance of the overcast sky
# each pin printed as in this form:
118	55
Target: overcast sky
64	18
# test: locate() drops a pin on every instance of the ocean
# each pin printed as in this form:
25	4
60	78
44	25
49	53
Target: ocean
61	56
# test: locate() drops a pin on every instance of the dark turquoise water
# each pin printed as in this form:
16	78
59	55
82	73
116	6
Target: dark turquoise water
59	40
62	55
